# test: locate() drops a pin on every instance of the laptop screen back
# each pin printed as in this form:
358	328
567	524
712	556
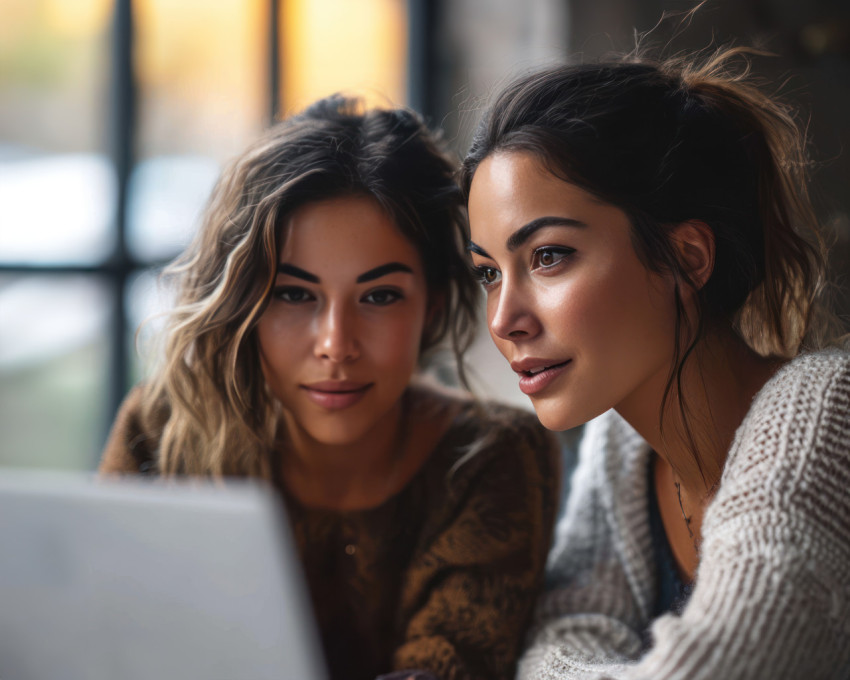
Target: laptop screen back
103	579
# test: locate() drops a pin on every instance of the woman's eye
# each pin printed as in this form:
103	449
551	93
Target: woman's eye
544	258
487	275
293	295
382	297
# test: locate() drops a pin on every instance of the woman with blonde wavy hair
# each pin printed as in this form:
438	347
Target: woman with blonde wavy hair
327	268
643	232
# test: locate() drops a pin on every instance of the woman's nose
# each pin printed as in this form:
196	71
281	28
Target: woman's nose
511	316
336	337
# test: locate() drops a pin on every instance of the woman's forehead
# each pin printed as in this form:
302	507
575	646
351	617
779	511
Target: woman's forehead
345	234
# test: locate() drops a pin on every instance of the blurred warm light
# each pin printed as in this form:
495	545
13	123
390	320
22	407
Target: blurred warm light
202	73
76	19
53	75
17	17
197	43
357	47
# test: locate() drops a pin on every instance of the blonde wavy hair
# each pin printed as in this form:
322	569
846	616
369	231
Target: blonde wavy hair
207	407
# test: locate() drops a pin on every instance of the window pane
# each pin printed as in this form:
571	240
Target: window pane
338	45
166	197
202	71
147	299
56	186
54	363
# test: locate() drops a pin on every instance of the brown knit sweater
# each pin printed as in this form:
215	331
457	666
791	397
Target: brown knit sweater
440	577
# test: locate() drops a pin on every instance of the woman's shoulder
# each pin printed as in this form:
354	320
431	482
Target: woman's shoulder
485	433
789	414
427	396
807	388
129	448
794	444
821	365
494	463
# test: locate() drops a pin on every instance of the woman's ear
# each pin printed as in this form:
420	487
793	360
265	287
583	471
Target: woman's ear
694	243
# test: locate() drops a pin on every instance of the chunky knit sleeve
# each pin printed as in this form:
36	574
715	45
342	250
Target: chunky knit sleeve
467	597
772	593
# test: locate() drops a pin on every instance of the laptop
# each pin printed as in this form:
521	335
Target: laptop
130	579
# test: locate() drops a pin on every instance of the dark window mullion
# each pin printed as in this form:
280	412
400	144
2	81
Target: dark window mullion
421	21
122	151
274	69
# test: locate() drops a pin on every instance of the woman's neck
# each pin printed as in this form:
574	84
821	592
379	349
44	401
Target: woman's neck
365	473
719	382
352	475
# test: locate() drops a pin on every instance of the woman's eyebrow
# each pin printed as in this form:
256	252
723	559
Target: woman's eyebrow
297	272
371	275
524	233
383	270
478	250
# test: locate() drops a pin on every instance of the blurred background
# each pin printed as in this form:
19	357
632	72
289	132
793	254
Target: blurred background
117	115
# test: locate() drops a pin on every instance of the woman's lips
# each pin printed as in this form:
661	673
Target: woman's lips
336	394
531	383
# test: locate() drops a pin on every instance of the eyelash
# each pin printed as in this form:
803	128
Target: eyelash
394	296
539	253
482	272
285	293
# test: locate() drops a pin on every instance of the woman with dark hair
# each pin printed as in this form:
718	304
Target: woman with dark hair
650	257
328	266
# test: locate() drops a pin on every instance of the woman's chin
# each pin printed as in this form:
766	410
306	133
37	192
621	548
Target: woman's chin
551	421
558	418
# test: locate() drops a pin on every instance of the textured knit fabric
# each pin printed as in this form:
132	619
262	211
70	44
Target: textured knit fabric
772	591
442	576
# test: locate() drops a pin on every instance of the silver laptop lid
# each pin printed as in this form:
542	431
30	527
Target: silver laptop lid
125	580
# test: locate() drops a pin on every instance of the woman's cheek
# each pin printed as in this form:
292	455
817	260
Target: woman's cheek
571	301
400	340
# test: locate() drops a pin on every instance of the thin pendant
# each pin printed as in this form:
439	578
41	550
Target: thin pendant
682	508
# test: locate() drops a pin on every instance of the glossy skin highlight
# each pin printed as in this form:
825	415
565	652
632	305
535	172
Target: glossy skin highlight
569	304
340	338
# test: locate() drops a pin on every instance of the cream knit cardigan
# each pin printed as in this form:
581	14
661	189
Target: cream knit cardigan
772	593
